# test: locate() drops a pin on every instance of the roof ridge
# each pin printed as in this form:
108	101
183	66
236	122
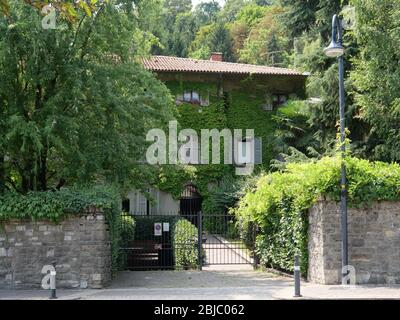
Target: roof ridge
160	63
224	62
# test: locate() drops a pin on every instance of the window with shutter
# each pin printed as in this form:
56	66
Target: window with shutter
244	152
249	151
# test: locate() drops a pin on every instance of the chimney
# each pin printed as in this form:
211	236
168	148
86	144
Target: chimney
216	56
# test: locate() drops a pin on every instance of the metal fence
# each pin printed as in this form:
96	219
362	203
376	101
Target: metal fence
171	241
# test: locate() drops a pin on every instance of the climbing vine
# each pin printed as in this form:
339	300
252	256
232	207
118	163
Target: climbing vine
237	109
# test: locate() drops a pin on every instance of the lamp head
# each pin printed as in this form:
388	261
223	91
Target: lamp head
334	50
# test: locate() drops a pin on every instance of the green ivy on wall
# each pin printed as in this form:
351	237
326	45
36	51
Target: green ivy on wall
239	109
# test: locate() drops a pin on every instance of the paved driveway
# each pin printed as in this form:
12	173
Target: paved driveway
219	250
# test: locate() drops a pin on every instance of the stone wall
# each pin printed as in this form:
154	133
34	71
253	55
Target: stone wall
79	245
373	238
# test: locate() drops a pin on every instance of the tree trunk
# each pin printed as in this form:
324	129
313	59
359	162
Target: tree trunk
43	171
2	174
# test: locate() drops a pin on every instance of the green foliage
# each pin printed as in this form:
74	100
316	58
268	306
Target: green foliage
207	12
255	117
127	229
250	14
55	205
185	245
183	34
293	128
127	234
280	200
223	112
74	104
232	8
376	75
67	9
213	38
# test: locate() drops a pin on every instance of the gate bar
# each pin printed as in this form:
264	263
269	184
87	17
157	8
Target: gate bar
200	241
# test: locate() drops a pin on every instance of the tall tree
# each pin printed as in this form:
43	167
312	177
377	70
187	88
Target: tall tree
75	105
212	38
267	42
377	74
207	12
172	9
232	8
183	34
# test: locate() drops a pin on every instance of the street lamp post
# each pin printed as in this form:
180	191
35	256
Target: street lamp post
336	50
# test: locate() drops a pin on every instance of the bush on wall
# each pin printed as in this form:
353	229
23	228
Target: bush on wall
185	245
279	202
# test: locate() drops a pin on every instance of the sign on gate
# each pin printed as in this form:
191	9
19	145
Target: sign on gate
157	229
166	226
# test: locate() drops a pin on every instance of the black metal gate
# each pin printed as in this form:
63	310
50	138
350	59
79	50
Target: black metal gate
224	244
172	241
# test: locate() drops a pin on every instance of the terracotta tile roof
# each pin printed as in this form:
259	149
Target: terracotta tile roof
174	64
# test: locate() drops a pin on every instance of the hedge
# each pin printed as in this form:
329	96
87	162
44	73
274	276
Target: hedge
280	201
185	245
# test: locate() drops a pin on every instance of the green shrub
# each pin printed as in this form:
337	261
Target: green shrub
185	244
279	202
127	235
127	229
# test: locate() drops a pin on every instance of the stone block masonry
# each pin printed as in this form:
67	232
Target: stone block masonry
79	245
374	243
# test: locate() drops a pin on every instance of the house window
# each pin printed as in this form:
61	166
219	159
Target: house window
278	100
126	206
249	151
187	96
193	97
143	206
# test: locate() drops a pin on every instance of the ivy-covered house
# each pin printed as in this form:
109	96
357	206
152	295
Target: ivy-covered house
212	94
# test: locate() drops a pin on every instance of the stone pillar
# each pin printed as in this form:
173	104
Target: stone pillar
374	243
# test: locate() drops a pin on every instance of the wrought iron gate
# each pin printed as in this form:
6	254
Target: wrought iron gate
172	242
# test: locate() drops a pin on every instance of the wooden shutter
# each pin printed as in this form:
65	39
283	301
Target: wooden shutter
257	150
